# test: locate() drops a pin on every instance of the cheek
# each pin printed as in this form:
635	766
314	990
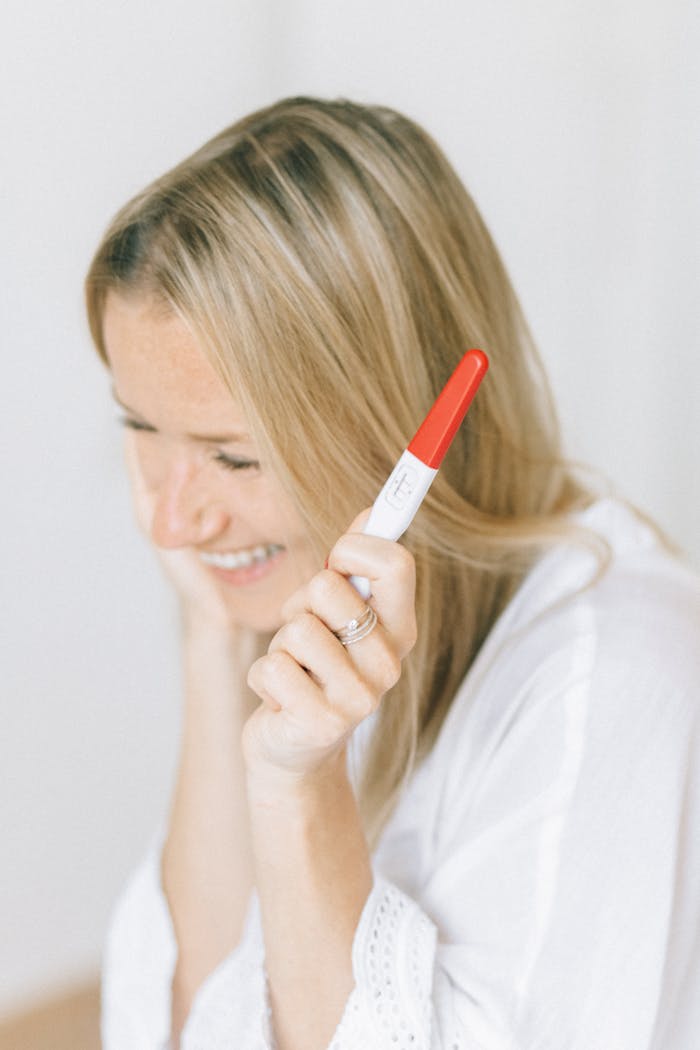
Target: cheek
267	506
272	514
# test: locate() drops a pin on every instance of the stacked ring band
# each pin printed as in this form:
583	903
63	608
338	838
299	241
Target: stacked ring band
356	629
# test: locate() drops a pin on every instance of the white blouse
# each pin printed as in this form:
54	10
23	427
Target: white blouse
538	886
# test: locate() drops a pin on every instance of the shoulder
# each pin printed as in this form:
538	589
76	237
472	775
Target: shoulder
616	662
643	613
638	623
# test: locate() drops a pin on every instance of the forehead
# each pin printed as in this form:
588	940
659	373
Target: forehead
158	367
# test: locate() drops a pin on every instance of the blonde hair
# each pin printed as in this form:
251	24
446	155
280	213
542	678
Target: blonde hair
335	270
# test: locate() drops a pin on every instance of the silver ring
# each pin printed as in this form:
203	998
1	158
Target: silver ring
359	628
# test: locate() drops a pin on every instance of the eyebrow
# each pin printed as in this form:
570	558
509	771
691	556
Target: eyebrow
214	439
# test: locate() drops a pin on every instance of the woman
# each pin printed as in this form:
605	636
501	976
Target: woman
476	825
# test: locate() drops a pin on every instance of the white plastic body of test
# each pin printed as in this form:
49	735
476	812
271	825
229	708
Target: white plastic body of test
395	507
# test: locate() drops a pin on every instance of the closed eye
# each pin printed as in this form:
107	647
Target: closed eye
133	424
227	462
235	464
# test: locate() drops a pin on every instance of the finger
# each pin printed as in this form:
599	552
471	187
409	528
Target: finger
278	679
391	570
333	599
320	653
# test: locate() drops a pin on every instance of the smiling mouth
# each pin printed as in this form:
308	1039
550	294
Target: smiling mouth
244	558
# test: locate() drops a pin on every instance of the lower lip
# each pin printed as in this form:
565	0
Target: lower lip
249	573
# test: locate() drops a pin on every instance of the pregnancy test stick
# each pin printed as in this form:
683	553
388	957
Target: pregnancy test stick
396	505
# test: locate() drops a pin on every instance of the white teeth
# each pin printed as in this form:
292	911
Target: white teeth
240	559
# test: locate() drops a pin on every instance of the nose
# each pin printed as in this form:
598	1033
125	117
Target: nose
186	511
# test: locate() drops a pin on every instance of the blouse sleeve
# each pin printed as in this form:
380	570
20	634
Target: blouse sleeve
138	963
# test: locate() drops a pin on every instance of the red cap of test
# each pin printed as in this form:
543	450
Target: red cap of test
434	436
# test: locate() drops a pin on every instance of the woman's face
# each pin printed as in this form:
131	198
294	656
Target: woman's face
199	467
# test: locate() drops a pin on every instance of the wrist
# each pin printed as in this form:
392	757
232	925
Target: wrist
274	788
215	662
245	642
194	624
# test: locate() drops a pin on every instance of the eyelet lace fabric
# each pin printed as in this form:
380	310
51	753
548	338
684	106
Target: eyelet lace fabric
390	1006
393	958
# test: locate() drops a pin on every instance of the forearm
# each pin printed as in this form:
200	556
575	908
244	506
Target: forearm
313	877
207	859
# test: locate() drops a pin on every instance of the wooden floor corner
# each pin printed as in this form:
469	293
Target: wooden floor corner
71	1022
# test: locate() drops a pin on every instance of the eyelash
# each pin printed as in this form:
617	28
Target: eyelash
225	461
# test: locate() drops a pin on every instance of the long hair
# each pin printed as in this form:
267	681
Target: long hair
335	270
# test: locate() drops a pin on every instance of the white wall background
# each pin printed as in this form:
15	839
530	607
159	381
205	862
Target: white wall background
577	129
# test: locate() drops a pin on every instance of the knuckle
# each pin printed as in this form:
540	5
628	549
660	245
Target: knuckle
303	627
331	728
389	669
337	726
411	636
367	700
257	676
405	562
274	666
252	676
324	586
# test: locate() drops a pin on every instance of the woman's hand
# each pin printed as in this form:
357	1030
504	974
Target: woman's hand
200	599
315	690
